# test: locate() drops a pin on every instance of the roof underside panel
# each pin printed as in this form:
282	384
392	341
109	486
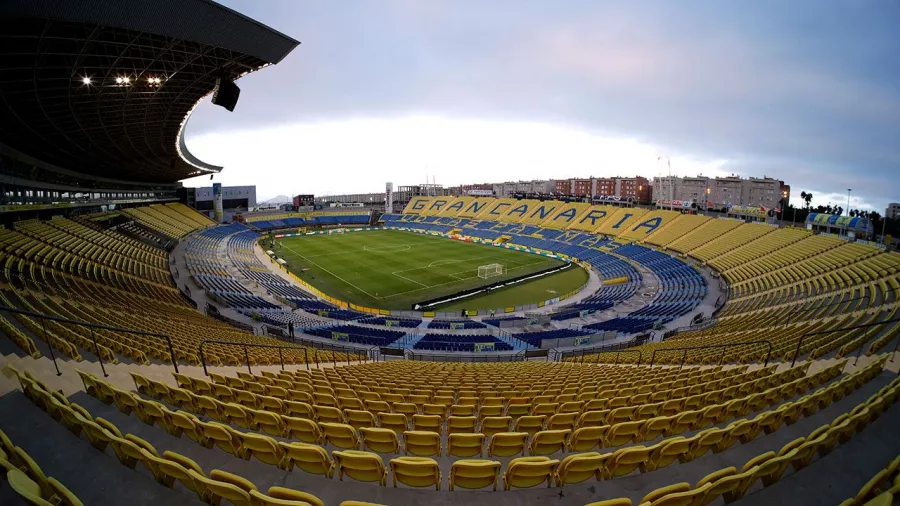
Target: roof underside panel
120	130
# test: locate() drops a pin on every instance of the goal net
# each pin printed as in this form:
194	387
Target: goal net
491	271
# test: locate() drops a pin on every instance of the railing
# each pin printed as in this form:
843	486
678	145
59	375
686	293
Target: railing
713	346
618	348
91	326
362	355
843	329
519	356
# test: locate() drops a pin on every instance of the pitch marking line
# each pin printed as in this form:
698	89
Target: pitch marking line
456	280
397	273
329	272
395	247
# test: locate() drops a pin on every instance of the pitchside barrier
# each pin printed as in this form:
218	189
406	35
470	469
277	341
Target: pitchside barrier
432	314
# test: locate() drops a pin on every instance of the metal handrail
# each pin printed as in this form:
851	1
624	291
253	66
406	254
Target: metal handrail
519	356
305	349
842	329
713	346
246	353
610	348
91	326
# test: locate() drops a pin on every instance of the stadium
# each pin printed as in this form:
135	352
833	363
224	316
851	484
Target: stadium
455	350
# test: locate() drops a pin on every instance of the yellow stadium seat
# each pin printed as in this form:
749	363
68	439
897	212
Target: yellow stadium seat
435	409
493	424
562	421
626	460
462	410
593	418
422	443
340	435
378	406
379	440
173	466
269	423
548	442
704	441
688	497
667	452
431	423
675	488
530	425
546	409
727	483
622	433
361	466
474	474
28	489
262	447
288	494
359	418
581	467
310	458
215	490
458	424
507	444
222	436
407	408
396	422
526	472
587	438
328	414
465	445
304	429
612	502
416	472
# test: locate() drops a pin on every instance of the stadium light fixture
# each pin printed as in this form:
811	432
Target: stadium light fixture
119	80
86	81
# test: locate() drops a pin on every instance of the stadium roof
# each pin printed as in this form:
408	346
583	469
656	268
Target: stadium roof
105	87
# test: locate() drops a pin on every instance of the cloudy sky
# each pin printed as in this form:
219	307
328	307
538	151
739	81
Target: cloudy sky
468	91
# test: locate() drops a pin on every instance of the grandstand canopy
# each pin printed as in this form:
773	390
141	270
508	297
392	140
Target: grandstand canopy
858	225
104	87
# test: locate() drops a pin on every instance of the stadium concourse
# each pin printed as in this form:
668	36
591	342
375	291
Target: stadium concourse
147	355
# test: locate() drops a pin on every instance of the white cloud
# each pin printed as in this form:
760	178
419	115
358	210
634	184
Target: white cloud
360	155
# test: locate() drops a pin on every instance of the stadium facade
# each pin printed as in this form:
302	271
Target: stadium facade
96	95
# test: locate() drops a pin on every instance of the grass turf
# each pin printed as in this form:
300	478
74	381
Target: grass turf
390	269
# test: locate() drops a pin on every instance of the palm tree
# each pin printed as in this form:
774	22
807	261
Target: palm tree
807	197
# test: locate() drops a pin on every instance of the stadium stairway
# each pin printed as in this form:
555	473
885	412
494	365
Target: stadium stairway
62	455
93	477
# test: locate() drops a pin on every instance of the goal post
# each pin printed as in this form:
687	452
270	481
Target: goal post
491	271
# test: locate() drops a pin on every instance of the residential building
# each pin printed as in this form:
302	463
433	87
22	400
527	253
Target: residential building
510	188
666	188
637	188
727	191
892	211
722	192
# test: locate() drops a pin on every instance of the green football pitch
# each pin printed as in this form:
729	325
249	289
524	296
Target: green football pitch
390	269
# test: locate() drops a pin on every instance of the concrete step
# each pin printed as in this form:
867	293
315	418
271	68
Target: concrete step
634	486
94	477
841	473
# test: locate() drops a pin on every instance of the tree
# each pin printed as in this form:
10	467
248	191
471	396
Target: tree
807	197
838	210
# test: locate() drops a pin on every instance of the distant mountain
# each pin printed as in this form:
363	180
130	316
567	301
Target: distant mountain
281	199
